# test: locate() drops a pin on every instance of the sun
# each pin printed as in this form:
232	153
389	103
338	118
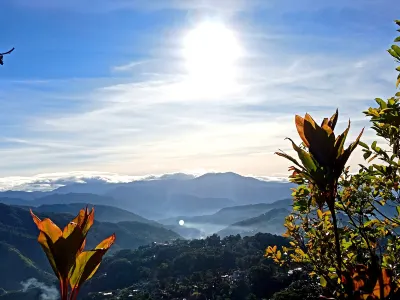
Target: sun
211	51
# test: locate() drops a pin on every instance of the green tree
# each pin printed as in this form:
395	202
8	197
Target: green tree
299	290
344	227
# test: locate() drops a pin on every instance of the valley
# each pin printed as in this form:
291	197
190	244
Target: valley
120	210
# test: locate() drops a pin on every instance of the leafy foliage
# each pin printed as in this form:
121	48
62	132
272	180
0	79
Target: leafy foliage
394	51
356	257
64	250
299	290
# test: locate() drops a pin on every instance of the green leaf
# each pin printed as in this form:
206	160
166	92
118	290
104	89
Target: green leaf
322	281
398	210
364	145
367	154
305	158
339	206
396	49
381	103
393	53
397	39
371	222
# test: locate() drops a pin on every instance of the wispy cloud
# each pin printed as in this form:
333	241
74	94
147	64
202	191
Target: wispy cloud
163	125
155	120
51	181
128	67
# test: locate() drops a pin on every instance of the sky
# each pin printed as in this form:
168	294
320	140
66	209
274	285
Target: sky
162	86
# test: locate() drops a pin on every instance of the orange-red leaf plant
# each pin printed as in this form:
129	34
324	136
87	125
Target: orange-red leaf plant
65	251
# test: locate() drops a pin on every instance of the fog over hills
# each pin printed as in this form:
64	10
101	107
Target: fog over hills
269	222
213	223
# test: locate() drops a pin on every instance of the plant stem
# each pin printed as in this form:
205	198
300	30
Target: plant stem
74	294
64	289
381	287
331	206
337	243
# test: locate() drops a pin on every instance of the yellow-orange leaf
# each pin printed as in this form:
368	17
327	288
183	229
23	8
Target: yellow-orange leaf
50	229
88	262
309	119
300	129
61	247
386	285
35	218
64	250
84	220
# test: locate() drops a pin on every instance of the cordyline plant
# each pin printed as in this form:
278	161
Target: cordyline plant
64	250
344	228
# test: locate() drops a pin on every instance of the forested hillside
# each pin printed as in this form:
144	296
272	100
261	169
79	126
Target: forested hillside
212	268
23	257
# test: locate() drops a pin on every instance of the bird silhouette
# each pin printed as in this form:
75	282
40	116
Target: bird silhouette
5	53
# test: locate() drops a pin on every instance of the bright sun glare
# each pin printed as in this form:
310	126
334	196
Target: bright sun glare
211	51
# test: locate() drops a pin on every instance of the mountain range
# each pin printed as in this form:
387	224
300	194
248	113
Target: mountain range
163	197
140	213
104	213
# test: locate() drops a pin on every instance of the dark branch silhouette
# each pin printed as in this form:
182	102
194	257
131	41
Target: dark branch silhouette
5	53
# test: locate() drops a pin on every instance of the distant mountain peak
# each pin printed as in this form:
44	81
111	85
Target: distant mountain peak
225	174
102	180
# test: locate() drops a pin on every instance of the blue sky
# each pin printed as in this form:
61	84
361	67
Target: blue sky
100	86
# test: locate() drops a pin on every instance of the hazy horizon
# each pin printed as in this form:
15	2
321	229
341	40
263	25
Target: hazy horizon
52	181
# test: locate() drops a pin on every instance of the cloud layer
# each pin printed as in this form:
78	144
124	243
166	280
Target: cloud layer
52	181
